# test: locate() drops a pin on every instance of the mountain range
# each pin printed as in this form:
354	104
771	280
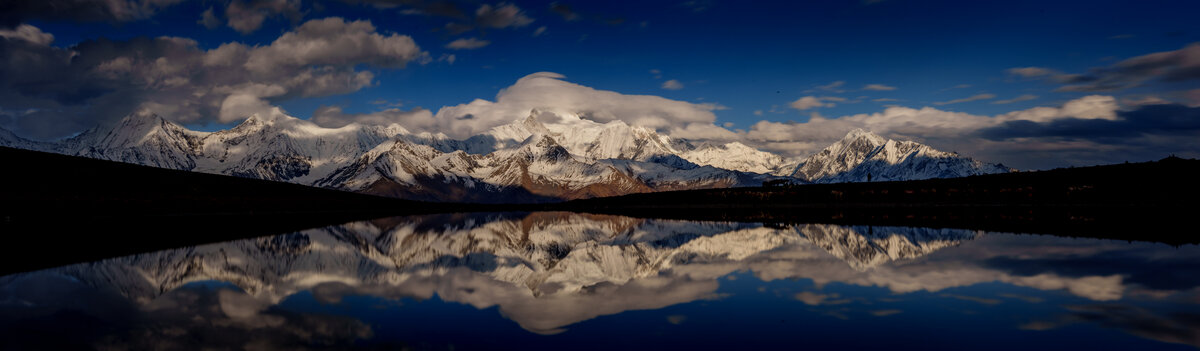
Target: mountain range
541	157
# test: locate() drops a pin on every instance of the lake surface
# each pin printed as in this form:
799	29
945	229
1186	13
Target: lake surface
558	280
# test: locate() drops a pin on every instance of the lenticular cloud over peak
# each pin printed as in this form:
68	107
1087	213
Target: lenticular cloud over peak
548	91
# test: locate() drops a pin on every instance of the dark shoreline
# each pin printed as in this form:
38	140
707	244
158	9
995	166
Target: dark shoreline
59	209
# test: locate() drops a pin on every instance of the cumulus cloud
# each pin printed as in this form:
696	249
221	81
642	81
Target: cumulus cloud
1090	130
467	44
28	33
102	80
878	87
248	16
967	99
672	85
333	41
15	12
944	129
549	92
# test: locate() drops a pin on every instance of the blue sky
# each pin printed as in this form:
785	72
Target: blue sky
755	61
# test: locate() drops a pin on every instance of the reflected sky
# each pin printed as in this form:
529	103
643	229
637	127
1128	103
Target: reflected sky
555	279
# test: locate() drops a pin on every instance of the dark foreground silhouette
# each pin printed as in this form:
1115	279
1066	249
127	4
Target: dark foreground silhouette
58	209
1149	201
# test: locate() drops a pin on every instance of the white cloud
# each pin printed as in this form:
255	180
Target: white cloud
28	33
209	19
541	30
950	130
672	85
810	102
333	41
878	87
703	131
1087	107
501	16
248	16
467	44
249	100
549	92
175	78
333	117
967	99
833	87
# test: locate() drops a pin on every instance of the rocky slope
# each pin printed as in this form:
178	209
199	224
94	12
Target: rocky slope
862	156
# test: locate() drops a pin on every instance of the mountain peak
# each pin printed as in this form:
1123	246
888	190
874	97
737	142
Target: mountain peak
269	117
859	133
865	156
142	116
139	121
258	120
533	122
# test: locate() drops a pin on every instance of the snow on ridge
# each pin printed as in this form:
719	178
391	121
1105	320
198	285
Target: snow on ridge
556	154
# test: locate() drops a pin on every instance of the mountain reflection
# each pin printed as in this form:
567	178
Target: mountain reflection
548	271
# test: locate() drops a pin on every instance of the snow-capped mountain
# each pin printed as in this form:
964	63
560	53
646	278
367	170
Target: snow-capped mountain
284	148
737	156
8	139
541	157
581	137
141	139
538	268
862	156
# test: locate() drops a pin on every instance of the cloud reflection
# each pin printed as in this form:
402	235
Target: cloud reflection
547	271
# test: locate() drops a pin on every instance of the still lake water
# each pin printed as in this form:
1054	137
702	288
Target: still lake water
560	280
